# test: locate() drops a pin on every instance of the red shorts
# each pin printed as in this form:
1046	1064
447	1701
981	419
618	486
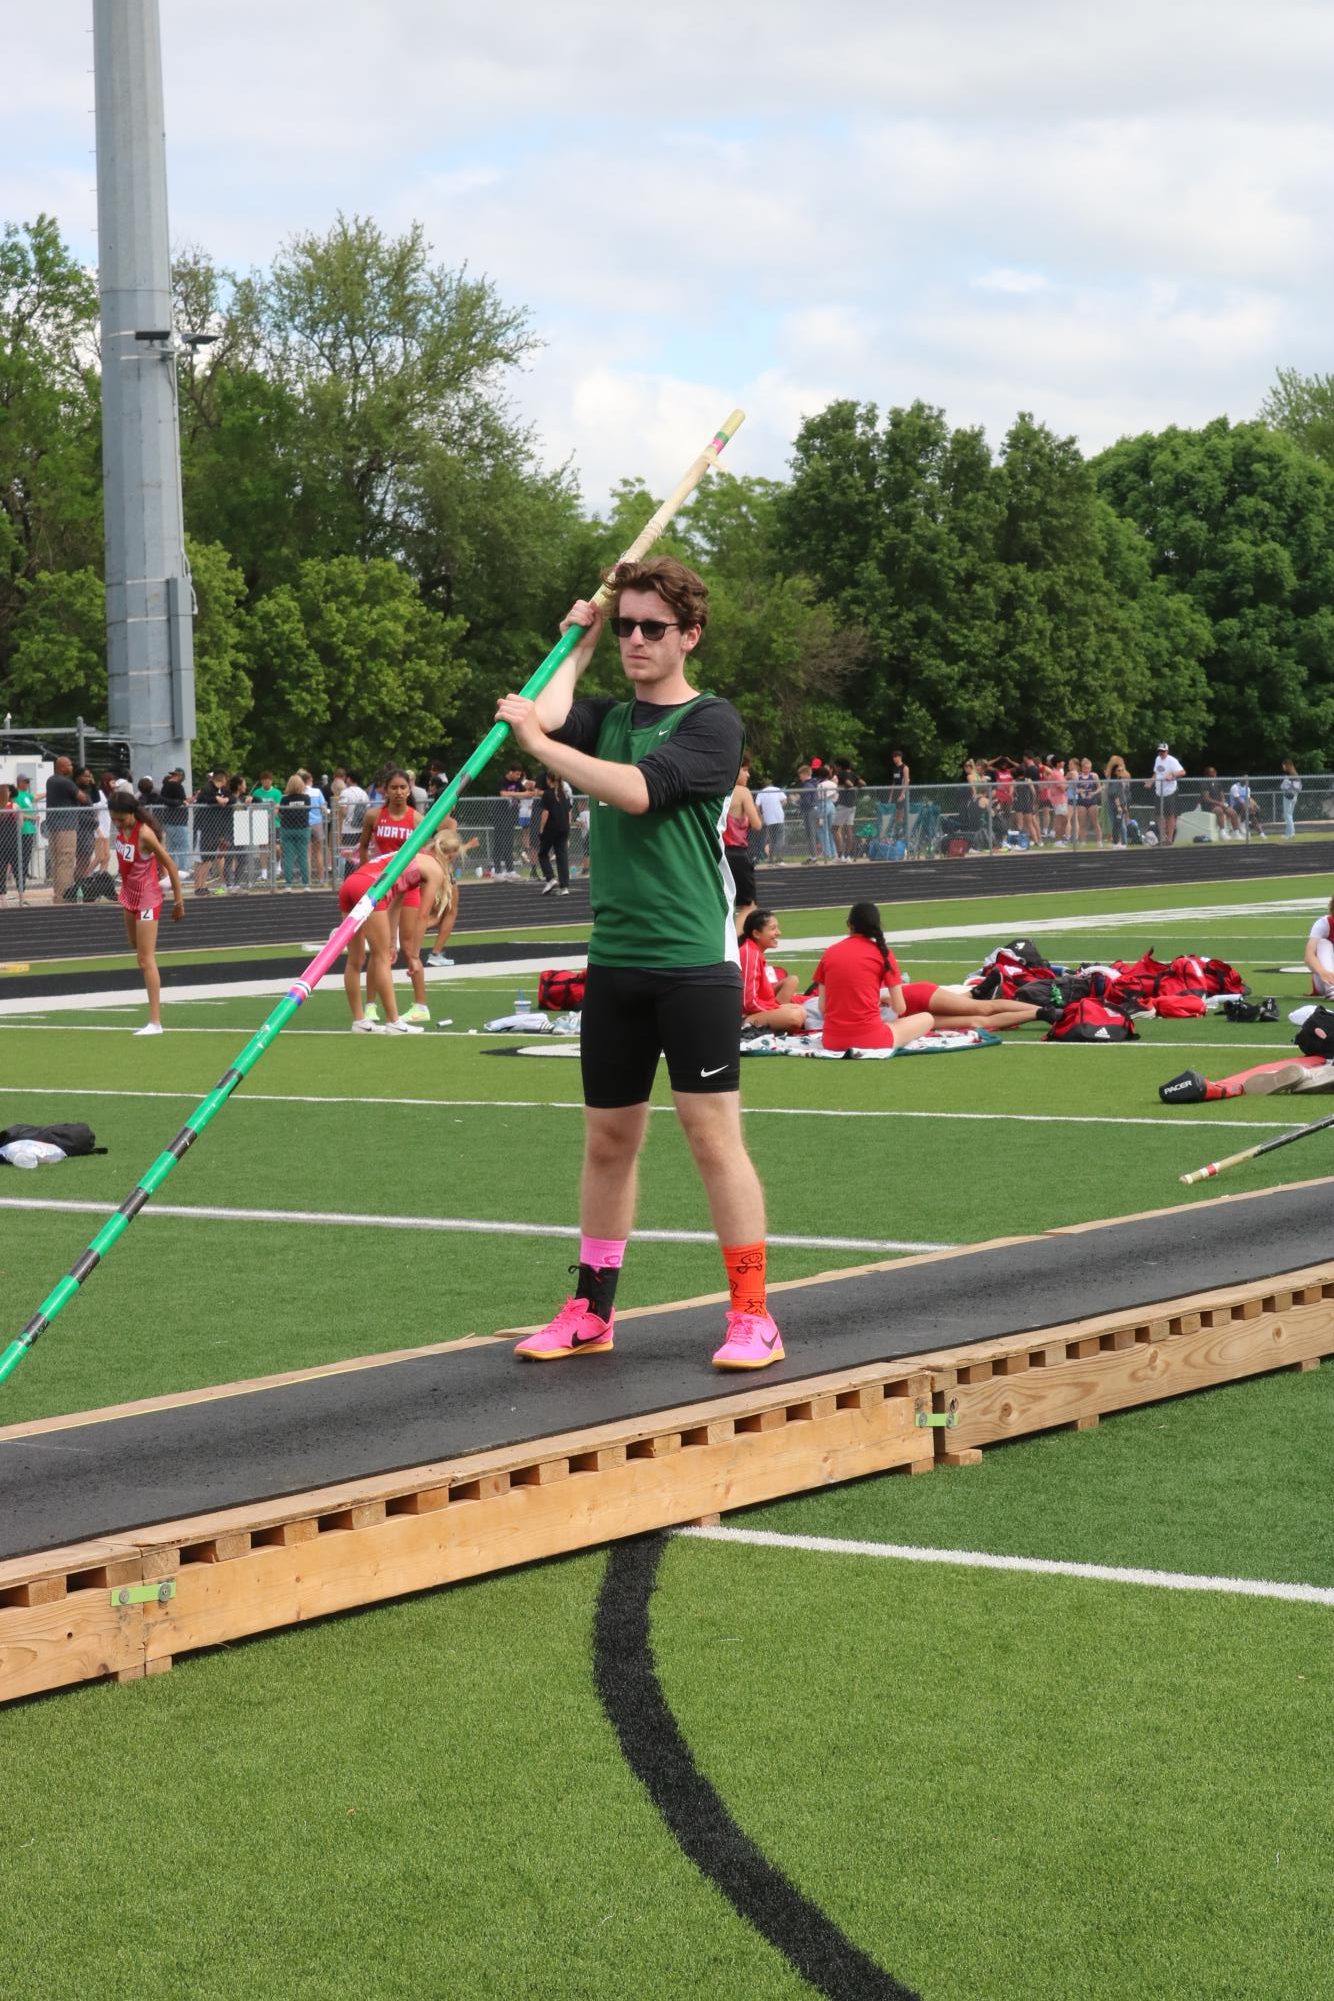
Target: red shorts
359	883
917	995
143	913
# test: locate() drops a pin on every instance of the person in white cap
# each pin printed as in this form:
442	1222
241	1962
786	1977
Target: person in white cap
1166	772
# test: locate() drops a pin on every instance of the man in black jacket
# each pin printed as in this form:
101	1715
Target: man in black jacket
63	798
553	836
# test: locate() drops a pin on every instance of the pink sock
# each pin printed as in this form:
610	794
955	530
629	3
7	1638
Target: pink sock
602	1253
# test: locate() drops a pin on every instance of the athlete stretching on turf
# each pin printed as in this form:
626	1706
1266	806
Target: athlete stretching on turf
663	973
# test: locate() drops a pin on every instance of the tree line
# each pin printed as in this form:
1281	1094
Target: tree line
379	547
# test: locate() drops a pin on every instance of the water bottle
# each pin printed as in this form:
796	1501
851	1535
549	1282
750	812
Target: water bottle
521	1004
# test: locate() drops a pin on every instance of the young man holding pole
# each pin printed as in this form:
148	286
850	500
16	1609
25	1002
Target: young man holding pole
663	972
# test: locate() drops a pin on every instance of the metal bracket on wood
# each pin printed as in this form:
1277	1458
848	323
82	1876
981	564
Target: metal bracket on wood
945	1420
145	1594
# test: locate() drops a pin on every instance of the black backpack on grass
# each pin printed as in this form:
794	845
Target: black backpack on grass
1315	1037
74	1139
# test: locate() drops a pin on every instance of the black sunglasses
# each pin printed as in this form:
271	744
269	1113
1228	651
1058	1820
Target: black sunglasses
652	628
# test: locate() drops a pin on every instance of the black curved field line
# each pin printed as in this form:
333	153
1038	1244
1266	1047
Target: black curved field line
660	1758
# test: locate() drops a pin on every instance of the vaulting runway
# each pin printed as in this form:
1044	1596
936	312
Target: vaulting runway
109	1474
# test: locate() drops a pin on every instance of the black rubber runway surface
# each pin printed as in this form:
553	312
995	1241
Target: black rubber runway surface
38	931
92	1480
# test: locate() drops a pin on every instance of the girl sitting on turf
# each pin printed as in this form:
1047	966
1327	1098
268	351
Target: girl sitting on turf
141	859
851	976
764	1003
429	871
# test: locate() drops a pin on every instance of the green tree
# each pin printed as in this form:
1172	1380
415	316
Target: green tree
896	524
50	499
1240	520
58	651
1302	406
223	690
349	666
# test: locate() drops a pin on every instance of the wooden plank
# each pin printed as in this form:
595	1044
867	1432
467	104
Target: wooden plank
75	1638
276	1586
1187	1310
1120	1379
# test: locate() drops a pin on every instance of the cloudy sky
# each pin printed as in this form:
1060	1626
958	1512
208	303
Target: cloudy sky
1118	217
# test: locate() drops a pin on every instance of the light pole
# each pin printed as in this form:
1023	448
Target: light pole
150	599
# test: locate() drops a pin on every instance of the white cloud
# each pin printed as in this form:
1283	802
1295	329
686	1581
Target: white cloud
1114	217
1018	283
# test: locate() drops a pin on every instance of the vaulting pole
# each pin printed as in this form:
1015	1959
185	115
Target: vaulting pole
207	1110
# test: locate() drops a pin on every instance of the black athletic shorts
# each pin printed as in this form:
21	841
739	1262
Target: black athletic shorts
691	1015
743	875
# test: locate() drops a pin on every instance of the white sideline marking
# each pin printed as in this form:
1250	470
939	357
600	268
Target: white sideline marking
459	1224
512	968
1274	1049
244	1097
972	1559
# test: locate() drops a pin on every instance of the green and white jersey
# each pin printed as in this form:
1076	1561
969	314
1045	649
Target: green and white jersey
662	891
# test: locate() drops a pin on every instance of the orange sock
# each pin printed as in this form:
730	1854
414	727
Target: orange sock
745	1276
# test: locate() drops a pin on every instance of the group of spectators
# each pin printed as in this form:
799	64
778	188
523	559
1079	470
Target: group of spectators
303	832
1029	801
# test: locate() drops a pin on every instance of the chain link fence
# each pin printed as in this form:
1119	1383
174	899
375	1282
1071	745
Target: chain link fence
67	855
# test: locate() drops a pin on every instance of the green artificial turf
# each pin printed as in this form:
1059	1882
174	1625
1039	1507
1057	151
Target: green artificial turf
419	1801
1014	1785
999	1785
1232	1482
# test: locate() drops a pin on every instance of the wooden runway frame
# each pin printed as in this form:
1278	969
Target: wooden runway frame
127	1605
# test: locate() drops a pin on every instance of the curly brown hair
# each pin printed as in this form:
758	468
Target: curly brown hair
686	593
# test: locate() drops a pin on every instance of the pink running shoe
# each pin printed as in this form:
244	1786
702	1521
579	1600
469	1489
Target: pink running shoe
576	1330
752	1343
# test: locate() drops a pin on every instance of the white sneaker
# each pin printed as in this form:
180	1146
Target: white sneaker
439	959
365	1027
150	1028
402	1028
549	887
562	892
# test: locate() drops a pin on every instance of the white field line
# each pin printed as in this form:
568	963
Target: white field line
459	1225
244	1097
992	928
1160	1049
970	1559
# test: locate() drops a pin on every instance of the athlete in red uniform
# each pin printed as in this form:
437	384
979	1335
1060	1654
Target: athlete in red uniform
851	976
766	1003
430	871
141	857
383	835
951	1010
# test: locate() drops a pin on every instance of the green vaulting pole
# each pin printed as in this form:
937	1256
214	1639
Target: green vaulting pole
208	1108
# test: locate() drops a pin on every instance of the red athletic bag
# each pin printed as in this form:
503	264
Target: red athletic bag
1178	1007
1091	1021
561	992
